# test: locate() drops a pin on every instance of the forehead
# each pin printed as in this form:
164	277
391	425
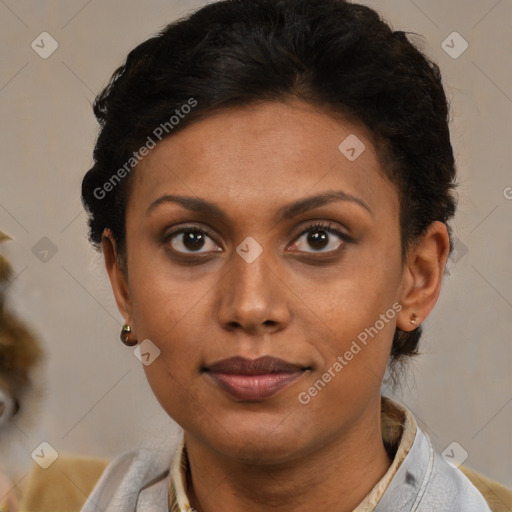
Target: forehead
275	151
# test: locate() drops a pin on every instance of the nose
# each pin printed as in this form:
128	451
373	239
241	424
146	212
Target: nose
253	296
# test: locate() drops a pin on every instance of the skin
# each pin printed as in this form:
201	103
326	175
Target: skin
294	301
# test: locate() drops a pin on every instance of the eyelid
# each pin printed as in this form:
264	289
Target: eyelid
191	227
326	226
330	228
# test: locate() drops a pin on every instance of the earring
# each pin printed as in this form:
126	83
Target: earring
413	319
126	336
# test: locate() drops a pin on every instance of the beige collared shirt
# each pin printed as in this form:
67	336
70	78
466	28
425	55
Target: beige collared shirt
398	428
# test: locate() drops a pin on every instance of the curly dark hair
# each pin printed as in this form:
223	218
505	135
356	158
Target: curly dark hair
330	53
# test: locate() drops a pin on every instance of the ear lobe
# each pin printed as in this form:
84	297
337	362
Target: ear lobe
423	276
118	279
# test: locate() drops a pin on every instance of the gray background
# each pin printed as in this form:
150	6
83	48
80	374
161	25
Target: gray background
97	400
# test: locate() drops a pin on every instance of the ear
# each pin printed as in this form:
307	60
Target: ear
118	279
423	275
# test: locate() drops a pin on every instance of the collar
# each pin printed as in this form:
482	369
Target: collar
398	428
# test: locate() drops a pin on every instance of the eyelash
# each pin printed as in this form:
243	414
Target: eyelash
329	228
317	226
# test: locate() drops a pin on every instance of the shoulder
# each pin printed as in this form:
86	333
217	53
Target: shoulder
425	482
448	488
498	497
76	483
63	486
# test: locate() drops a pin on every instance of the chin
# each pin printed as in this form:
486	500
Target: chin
258	442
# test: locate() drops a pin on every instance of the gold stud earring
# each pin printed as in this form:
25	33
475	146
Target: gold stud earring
127	336
413	319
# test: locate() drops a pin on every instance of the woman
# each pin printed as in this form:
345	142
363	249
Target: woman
271	190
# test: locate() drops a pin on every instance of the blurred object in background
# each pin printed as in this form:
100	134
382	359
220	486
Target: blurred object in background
20	354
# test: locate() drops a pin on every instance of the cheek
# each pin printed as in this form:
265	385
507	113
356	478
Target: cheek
174	391
171	310
164	300
357	310
354	356
174	376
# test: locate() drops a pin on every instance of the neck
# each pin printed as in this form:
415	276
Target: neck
336	477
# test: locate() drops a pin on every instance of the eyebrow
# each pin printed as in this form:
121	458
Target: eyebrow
287	211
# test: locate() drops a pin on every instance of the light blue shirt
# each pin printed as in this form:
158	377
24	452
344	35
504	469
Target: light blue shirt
139	482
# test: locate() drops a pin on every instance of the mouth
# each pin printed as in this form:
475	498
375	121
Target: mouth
254	379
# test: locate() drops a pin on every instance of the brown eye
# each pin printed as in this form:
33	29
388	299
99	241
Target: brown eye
318	239
191	240
321	238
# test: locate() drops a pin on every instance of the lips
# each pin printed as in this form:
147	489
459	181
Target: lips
253	379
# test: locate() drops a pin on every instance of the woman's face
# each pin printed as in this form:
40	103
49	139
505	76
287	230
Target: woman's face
254	277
